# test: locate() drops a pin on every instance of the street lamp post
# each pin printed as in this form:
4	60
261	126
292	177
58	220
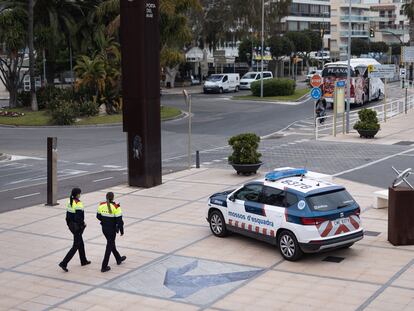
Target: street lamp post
348	75
261	74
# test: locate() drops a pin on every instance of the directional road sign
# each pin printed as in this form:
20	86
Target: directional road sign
316	93
381	71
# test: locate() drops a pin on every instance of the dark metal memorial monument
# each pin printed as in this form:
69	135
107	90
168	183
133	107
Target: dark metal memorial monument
140	46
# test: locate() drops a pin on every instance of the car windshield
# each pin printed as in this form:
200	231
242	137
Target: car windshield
215	78
329	201
250	76
337	72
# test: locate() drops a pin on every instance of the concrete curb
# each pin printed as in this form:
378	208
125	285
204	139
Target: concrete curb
180	116
299	101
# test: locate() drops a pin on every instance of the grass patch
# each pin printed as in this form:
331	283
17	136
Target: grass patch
42	118
297	95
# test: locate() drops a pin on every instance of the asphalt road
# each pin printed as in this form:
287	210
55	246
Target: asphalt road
95	157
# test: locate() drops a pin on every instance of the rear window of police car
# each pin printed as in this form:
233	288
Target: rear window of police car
328	201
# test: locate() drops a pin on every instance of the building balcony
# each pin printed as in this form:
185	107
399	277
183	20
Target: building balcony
385	18
395	31
355	33
355	18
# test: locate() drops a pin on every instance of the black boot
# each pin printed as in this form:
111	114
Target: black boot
63	266
118	262
106	269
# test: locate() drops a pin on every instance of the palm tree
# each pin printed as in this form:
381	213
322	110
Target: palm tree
13	31
91	74
31	57
408	9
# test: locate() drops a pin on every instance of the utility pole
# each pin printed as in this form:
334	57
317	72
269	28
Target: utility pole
348	75
31	57
261	75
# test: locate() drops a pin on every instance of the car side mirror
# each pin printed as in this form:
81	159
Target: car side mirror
231	198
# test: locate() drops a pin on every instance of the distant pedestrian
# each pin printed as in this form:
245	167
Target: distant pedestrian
75	219
110	215
320	109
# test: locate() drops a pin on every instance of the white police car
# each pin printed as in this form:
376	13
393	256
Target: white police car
290	209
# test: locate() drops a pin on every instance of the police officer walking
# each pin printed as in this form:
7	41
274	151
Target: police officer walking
110	215
75	219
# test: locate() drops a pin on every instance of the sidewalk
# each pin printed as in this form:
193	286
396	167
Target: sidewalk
165	230
395	130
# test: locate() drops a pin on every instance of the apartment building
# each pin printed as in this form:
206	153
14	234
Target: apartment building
340	17
389	22
310	14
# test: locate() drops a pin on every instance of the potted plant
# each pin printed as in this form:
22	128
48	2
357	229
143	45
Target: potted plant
368	125
245	159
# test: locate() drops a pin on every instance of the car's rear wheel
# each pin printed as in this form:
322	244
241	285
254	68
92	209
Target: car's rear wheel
236	89
289	246
217	224
221	90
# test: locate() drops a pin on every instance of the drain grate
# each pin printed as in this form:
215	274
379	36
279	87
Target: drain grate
372	233
405	143
334	259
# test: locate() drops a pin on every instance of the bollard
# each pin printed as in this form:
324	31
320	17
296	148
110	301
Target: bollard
197	159
51	171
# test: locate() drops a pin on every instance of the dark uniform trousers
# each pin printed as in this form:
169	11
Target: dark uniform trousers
78	244
110	235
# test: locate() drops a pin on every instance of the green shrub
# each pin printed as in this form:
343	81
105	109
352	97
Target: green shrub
274	87
88	108
245	149
47	94
367	120
64	113
24	98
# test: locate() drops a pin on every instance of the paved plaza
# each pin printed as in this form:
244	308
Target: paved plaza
175	263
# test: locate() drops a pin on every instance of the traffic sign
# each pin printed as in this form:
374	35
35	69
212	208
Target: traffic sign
403	72
407	54
316	93
381	71
316	80
340	83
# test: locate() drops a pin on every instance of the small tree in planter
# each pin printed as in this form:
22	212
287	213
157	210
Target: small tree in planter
245	159
368	125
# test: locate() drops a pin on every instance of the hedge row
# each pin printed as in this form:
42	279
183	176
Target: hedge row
274	87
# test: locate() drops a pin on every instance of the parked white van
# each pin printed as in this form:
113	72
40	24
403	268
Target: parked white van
220	83
248	78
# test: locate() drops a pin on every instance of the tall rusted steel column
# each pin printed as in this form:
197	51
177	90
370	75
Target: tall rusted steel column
140	46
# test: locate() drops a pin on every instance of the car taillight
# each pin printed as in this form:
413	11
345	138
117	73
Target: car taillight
312	221
357	211
352	91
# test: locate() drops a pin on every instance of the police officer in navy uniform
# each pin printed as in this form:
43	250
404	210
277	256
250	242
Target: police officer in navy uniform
75	219
110	215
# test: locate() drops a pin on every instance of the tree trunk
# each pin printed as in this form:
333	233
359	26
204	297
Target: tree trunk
170	74
33	100
13	98
411	31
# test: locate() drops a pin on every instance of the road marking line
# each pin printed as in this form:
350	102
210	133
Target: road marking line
26	196
373	162
86	164
111	166
217	160
206	163
102	179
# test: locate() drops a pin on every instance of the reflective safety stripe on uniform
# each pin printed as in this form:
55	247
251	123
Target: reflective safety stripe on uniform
332	227
104	210
76	205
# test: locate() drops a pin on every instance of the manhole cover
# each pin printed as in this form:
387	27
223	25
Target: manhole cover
333	259
372	233
404	143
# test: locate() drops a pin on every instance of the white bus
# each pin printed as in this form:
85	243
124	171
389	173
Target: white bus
363	89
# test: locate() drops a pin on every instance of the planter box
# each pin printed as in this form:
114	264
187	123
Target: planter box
246	169
367	133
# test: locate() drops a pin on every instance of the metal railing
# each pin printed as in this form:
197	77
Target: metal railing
390	110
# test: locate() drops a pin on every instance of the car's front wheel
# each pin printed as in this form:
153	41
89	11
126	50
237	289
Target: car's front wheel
217	224
289	246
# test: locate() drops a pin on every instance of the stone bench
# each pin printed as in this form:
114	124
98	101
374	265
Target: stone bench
382	198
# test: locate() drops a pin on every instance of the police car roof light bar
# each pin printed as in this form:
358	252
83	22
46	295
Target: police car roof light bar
276	175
